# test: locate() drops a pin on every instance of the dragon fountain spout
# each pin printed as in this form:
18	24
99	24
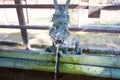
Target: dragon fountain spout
59	32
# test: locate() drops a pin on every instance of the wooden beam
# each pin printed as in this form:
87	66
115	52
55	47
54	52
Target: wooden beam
46	6
51	6
103	30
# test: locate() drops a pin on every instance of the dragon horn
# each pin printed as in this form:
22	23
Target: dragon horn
67	4
55	4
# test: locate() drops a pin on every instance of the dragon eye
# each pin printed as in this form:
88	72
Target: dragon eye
60	22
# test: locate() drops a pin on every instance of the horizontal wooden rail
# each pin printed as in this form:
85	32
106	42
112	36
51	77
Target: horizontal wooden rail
73	6
105	30
25	27
39	6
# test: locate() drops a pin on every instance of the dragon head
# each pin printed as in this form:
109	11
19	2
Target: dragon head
60	31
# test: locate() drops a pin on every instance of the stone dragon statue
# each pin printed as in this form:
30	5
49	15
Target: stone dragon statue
60	33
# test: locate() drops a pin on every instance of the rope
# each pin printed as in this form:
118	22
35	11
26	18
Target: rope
102	50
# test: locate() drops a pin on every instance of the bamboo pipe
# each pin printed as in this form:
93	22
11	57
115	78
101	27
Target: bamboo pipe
105	61
64	67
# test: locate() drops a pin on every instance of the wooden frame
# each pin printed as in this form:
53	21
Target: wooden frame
22	25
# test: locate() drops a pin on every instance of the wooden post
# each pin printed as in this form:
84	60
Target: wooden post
81	13
27	12
6	19
22	23
79	16
94	12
